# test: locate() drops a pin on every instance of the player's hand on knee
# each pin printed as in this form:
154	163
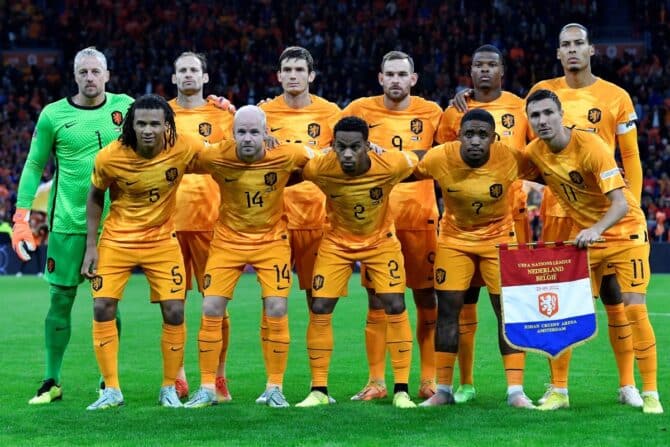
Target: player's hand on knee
23	240
89	267
222	103
460	100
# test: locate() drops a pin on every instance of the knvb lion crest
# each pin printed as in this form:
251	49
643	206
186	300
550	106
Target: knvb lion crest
171	175
318	281
117	118
205	129
270	178
416	126
96	282
507	120
594	115
576	177
207	281
313	130
496	190
440	276
376	193
51	265
547	304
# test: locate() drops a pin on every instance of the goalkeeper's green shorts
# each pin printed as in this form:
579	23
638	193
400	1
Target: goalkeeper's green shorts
65	253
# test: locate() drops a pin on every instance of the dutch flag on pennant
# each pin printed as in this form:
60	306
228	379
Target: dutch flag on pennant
547	302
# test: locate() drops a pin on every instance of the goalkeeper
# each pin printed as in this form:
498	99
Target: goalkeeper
74	129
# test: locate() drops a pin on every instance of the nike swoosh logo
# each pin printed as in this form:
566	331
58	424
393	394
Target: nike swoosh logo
335	196
635	284
228	180
172	348
103	343
403	350
282	288
623	338
175	290
546	173
279	352
70	124
453	190
372	126
393	284
206	350
58	329
131	183
314	358
274	129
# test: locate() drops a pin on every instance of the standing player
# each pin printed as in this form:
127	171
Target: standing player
357	184
511	124
299	117
600	107
73	130
142	171
250	230
476	176
581	171
400	121
198	195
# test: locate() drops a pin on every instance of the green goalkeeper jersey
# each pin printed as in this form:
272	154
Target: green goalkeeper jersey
74	135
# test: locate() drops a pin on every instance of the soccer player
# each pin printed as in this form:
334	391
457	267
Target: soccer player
73	129
595	105
476	175
250	230
400	121
511	124
300	117
198	195
581	171
142	170
357	184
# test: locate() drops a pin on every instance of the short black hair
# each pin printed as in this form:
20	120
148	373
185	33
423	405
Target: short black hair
479	115
151	102
297	53
574	25
352	124
541	94
489	49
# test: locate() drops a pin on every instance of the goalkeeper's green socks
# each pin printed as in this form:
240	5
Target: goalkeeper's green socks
57	328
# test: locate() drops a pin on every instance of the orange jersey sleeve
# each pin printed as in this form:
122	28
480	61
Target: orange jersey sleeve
602	108
413	204
311	126
477	200
580	176
358	207
252	193
198	195
143	191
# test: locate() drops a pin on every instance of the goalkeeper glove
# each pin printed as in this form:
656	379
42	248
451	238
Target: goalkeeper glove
23	240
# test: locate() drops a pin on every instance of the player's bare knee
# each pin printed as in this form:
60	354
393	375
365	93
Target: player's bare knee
214	306
472	295
323	306
610	292
374	302
424	298
275	306
394	303
173	312
104	309
446	334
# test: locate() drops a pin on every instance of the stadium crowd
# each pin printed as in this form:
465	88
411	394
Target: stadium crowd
242	41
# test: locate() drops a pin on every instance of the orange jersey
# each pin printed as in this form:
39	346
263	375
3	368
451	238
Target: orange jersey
251	193
509	113
198	195
602	108
580	176
143	191
358	207
476	200
413	204
311	126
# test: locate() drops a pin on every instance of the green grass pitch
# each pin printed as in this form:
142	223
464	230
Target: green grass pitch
595	417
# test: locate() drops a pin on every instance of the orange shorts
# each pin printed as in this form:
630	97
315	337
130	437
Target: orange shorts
522	226
304	246
226	263
194	248
455	267
630	264
161	261
418	251
384	267
556	228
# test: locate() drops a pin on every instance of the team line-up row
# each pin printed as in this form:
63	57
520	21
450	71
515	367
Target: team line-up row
478	176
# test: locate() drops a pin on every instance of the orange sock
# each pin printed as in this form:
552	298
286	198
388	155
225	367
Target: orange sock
277	346
622	342
375	343
106	347
320	346
209	348
172	345
399	342
644	344
560	368
225	339
514	366
444	362
425	336
467	327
